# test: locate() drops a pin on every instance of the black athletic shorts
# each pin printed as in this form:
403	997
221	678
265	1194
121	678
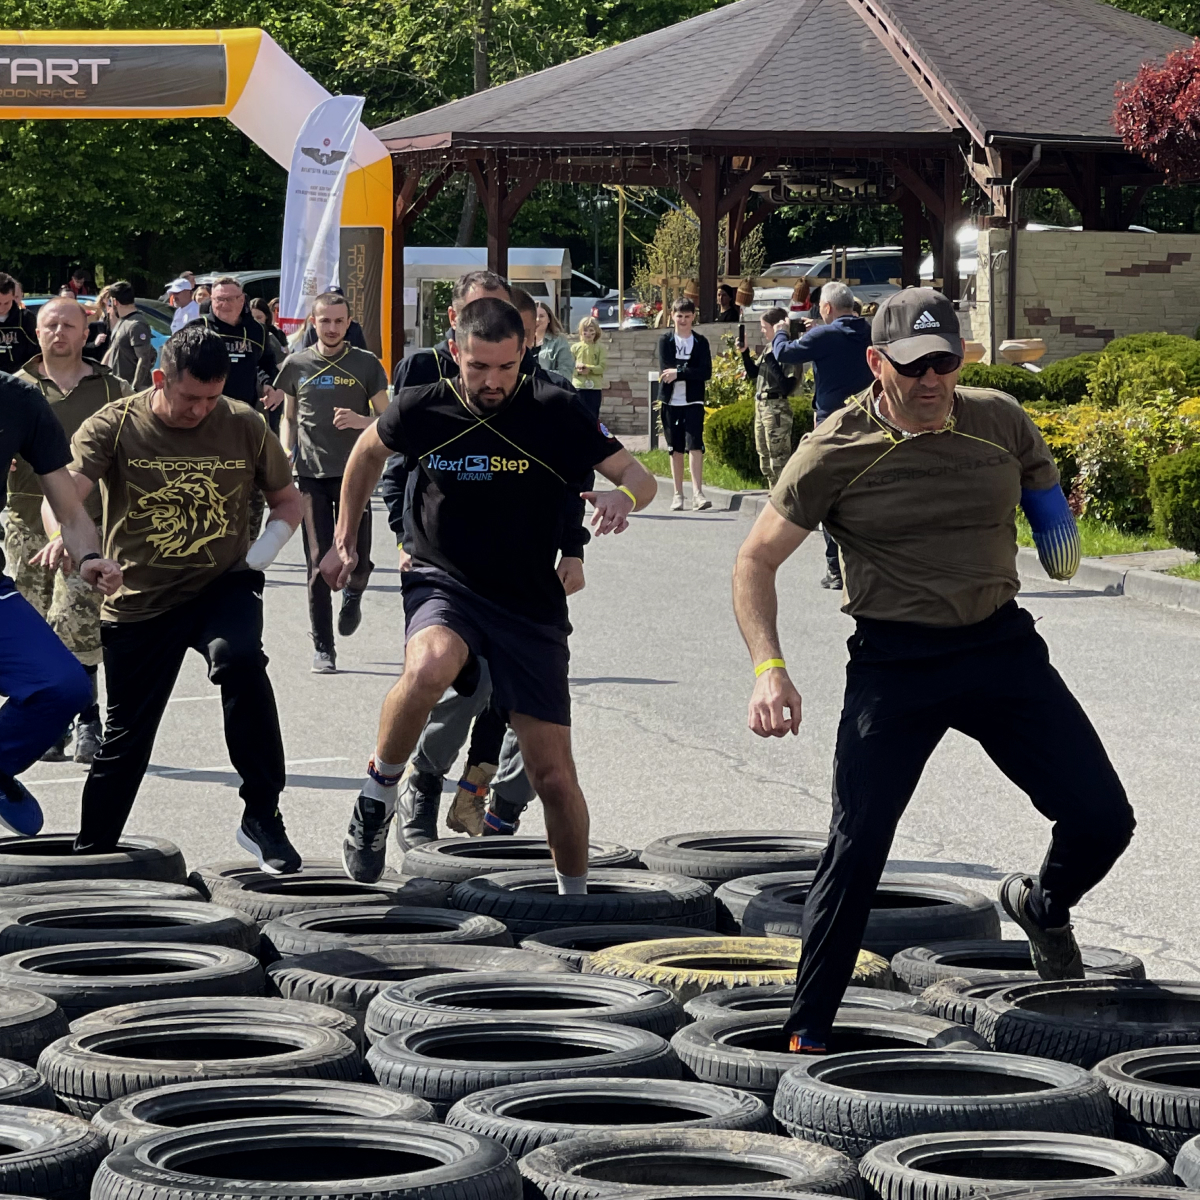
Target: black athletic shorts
684	426
528	661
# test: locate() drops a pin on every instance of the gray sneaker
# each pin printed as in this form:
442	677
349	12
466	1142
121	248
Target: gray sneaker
364	852
324	662
87	741
1055	952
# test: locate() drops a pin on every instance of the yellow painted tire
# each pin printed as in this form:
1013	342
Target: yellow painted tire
690	966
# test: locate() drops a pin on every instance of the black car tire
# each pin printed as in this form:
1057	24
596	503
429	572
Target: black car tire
1085	1020
89	1070
523	1116
778	997
393	1160
451	860
749	1050
717	855
17	895
443	1063
47	1154
940	911
528	901
28	1023
102	974
85	919
181	1105
855	1101
510	995
577	943
1187	1163
51	856
922	966
732	896
918	1168
21	1084
1155	1095
958	999
702	1160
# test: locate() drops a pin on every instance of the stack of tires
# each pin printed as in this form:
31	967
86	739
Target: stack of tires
459	1031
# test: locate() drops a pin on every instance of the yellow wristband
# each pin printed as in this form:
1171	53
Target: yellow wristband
56	534
627	492
764	667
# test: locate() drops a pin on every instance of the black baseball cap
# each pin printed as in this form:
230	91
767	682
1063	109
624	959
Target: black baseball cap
915	322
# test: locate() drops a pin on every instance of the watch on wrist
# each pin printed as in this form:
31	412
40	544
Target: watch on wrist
89	556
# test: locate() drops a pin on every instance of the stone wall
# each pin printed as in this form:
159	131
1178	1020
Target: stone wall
1080	289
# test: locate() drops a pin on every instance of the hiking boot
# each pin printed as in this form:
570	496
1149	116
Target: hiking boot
832	582
324	662
19	811
267	840
677	502
470	801
1055	952
495	825
417	807
88	735
58	751
350	614
364	852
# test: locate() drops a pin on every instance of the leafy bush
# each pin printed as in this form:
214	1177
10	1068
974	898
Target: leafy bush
1066	381
1175	498
1023	385
728	384
1063	430
729	433
1132	379
1183	350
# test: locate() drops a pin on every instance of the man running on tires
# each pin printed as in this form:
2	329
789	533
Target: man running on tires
493	451
919	481
176	466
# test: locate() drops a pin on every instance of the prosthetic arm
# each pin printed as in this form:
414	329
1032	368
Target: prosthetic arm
1054	532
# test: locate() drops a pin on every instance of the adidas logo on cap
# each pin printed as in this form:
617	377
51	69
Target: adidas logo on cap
926	321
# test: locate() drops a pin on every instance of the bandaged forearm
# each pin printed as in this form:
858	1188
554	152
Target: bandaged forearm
1055	533
272	539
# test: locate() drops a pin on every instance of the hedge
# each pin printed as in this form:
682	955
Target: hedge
1022	385
729	433
1175	498
1066	381
1183	350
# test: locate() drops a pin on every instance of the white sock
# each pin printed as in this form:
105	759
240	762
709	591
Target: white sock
571	885
380	789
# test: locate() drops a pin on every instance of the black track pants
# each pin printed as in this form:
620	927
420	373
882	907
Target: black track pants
320	501
905	687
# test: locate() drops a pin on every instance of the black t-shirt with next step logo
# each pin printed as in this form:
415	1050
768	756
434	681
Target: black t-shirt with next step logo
488	505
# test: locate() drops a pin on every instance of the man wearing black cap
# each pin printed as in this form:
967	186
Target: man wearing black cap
918	480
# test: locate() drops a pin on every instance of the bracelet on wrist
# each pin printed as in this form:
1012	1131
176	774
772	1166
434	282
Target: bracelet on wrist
768	665
623	488
89	556
56	535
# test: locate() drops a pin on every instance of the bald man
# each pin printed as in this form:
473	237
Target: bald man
75	387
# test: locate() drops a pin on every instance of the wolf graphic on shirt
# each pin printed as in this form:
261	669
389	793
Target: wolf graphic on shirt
187	513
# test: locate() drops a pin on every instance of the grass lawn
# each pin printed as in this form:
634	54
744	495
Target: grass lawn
1098	538
1186	570
658	462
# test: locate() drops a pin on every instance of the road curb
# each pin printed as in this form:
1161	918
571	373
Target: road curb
722	500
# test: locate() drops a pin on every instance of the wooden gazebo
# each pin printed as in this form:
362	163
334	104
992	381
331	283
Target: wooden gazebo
765	102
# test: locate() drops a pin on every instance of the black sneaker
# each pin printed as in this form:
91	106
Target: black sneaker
832	582
58	752
364	852
1055	952
417	806
267	840
350	614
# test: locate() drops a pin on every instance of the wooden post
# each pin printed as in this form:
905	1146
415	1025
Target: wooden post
497	219
910	254
1092	213
709	185
952	203
733	239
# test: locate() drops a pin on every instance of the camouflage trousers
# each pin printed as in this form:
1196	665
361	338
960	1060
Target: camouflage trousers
65	601
772	435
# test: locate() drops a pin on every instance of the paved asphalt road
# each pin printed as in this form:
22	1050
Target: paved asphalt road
660	682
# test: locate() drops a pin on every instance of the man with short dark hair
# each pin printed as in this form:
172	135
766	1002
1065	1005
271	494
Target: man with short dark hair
80	283
773	384
130	353
252	363
685	367
75	389
919	480
176	465
18	332
494	450
334	391
354	331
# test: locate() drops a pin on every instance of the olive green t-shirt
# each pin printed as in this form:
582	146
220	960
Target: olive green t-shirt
175	500
347	380
926	524
71	408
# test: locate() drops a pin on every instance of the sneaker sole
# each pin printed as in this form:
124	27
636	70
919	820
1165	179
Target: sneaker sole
324	671
23	832
251	847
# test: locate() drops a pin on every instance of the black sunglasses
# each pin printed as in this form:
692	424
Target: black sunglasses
942	364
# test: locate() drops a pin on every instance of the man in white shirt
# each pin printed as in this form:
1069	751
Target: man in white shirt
179	297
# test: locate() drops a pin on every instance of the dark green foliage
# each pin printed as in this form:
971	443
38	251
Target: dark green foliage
1172	346
1022	385
1175	498
729	433
1066	381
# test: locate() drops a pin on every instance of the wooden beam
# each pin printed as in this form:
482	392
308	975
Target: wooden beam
952	205
733	241
709	186
689	190
740	191
762	211
521	191
910	254
497	225
428	194
917	184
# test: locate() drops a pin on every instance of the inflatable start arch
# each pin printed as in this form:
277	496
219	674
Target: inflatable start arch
241	74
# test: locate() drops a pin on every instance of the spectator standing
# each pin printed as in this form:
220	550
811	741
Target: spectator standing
260	310
99	328
203	298
179	297
838	351
684	357
728	311
553	349
772	408
130	352
334	391
18	332
591	363
79	284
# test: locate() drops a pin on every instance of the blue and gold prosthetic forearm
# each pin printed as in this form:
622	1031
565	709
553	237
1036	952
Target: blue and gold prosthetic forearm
1054	531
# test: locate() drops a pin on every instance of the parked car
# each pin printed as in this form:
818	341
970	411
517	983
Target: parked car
871	272
262	285
605	311
158	320
585	292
